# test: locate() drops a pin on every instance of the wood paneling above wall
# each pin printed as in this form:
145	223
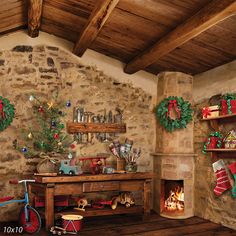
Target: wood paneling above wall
13	14
212	48
67	24
81	8
129	33
132	27
168	13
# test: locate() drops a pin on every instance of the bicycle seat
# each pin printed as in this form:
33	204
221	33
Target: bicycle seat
4	199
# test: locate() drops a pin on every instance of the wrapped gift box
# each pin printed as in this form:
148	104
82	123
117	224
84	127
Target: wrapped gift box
211	111
224	107
213	143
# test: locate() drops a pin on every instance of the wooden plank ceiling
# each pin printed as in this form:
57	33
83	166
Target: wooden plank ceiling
128	29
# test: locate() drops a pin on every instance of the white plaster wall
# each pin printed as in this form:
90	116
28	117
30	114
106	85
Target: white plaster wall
111	67
219	80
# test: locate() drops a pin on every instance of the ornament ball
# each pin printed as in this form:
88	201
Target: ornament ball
62	126
31	98
56	136
59	144
42	144
40	109
30	135
68	103
53	123
70	156
24	150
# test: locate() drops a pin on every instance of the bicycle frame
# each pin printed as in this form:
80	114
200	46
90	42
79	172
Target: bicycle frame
25	200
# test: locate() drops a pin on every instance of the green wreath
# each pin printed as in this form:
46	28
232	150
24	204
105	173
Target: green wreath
7	113
183	111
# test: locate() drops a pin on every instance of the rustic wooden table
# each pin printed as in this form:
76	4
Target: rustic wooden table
74	185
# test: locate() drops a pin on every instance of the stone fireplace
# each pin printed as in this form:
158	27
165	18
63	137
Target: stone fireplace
174	157
174	185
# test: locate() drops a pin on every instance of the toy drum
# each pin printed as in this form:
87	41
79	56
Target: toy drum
72	223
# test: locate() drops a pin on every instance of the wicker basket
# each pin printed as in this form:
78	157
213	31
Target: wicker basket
50	162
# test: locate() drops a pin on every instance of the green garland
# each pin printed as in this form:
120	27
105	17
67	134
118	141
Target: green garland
7	113
182	108
208	141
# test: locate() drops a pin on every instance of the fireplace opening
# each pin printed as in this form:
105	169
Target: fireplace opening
172	197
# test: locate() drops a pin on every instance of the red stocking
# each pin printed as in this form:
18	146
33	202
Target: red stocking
222	178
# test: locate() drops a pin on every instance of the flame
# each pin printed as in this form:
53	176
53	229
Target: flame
175	201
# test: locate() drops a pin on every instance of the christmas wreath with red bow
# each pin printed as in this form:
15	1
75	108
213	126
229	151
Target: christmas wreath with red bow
7	113
180	107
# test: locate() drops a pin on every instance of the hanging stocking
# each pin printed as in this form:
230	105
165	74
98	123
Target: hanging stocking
222	178
232	168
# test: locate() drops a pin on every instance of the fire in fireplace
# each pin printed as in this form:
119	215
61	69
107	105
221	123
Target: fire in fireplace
172	197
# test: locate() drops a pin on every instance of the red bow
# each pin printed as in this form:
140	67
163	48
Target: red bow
1	109
173	103
206	112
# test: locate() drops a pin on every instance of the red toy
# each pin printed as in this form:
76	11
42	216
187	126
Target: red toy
102	203
96	163
59	201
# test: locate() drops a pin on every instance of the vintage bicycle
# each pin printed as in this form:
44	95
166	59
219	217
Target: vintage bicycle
29	218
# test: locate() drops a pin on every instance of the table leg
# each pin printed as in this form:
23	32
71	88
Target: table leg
49	206
147	198
31	199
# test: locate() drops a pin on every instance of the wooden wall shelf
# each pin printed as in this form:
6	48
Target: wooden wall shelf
222	153
73	127
214	123
223	119
220	117
221	150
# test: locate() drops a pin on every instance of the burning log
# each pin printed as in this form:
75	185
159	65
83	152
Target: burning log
175	201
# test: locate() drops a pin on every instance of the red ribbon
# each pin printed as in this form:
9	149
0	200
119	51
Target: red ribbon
206	112
1	109
173	104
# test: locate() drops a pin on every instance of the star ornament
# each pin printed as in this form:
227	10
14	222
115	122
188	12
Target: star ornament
50	105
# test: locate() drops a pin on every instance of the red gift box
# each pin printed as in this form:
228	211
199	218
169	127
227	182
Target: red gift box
213	143
224	107
233	106
209	112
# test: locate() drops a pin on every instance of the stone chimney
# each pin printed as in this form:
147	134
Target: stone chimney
174	157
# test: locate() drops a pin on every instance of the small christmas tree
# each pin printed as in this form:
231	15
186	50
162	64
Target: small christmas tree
47	136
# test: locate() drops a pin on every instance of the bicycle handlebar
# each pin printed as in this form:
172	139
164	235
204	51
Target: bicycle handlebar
15	181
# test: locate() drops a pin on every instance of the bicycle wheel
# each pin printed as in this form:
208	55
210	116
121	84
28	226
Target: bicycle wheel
33	225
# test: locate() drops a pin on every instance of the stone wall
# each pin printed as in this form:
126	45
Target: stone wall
219	80
217	209
41	70
220	209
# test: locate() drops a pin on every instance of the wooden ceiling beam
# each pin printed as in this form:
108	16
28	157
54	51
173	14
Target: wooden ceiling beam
97	19
215	11
35	8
